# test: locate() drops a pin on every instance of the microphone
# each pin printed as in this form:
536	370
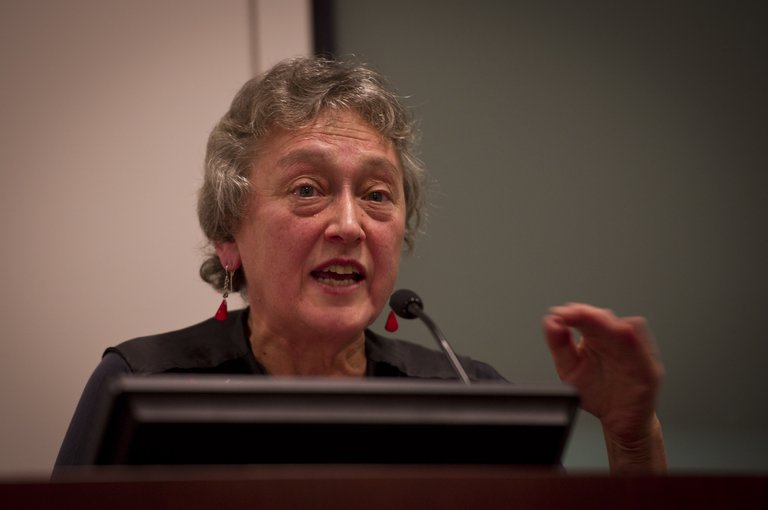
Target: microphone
407	304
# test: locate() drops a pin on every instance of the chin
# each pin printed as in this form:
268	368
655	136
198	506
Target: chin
342	322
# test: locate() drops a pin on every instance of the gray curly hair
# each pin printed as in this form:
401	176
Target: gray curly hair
292	95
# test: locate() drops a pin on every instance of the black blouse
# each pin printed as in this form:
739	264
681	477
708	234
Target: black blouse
223	347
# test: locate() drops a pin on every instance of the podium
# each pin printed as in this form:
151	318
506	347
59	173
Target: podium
156	422
374	487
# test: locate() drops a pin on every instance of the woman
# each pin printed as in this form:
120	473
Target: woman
311	188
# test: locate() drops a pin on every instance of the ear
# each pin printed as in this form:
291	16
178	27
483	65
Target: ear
229	255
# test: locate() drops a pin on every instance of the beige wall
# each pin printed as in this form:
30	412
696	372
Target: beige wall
106	107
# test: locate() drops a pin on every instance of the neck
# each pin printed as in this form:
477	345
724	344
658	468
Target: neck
307	355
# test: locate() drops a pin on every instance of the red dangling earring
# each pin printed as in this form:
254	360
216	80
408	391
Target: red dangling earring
221	313
391	324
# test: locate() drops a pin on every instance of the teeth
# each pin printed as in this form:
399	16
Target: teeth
338	275
336	283
339	269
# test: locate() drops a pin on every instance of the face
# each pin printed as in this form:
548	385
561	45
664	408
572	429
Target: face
321	239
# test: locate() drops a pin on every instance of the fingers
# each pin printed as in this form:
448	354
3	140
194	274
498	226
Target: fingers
586	318
628	339
564	352
601	325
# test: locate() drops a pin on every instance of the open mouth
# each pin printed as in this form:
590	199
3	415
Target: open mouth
338	275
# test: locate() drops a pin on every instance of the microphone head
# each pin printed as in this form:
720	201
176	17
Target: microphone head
402	300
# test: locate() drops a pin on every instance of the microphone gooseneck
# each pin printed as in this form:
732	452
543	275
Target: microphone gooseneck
408	305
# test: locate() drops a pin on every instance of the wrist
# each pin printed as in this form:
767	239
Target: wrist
642	454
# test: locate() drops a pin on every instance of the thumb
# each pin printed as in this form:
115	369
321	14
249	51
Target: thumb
561	345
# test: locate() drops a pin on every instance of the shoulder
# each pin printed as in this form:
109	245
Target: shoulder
203	346
400	358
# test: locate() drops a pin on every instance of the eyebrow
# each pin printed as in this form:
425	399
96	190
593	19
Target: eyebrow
324	157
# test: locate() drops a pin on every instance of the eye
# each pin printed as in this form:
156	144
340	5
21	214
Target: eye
305	191
376	196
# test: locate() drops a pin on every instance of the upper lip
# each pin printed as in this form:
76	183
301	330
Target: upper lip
341	266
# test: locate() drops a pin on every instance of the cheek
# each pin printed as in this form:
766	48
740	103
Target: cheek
275	248
387	248
288	243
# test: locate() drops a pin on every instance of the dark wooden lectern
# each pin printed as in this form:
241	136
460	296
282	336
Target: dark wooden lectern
373	487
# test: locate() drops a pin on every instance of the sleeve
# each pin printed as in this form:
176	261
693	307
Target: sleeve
74	448
485	372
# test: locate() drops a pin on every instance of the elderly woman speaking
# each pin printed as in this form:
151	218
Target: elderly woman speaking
311	188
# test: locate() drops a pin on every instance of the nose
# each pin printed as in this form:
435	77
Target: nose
345	223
